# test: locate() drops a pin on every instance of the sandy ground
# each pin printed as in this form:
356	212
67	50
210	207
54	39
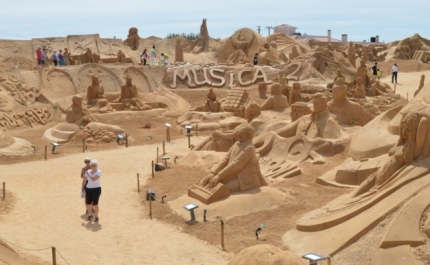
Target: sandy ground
48	211
407	82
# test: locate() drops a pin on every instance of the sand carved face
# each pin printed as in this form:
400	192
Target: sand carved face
95	80
339	91
275	89
6	102
320	104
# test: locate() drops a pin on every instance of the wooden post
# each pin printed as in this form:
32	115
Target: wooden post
54	257
157	154
83	145
168	134
4	190
152	168
126	140
150	205
138	184
394	88
197	129
189	140
222	234
328	260
46	152
164	148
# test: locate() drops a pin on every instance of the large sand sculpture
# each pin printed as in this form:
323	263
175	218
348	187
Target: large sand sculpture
307	115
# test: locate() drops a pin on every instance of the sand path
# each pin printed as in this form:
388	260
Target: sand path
407	82
50	212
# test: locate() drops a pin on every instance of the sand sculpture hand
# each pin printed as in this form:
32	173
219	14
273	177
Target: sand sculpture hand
205	180
214	181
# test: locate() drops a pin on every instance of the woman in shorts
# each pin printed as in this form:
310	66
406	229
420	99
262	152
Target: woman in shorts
93	189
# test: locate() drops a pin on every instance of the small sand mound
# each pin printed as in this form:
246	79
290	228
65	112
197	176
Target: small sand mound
5	139
266	254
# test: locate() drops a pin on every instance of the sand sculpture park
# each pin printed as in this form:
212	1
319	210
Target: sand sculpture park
305	152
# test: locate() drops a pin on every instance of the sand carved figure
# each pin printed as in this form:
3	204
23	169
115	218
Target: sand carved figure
338	75
212	102
96	97
365	53
203	41
410	146
241	46
362	72
120	57
262	90
252	110
179	51
129	96
407	47
420	86
359	89
285	88
295	94
6	102
239	171
77	113
276	101
133	39
89	56
68	57
294	53
268	56
352	54
347	112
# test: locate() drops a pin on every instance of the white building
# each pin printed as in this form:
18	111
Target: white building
286	29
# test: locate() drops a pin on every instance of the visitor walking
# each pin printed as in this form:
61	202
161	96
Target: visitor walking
143	57
55	58
153	55
43	57
87	167
93	189
375	70
394	71
256	59
39	56
379	74
61	58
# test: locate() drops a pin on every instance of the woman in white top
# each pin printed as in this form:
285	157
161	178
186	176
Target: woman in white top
394	71
93	189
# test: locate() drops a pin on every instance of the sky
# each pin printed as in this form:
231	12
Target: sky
391	20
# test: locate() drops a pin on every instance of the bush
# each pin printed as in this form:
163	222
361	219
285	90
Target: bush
189	36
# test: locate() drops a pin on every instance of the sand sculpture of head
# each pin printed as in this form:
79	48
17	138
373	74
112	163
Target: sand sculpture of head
77	101
6	102
251	110
133	38
262	90
320	102
339	91
275	89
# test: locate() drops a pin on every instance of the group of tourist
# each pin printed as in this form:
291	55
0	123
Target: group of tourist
57	59
378	73
91	188
164	60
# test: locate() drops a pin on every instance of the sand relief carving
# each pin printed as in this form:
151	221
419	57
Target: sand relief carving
203	40
6	102
362	73
96	99
20	91
111	82
276	101
241	50
239	171
190	74
346	111
68	57
32	117
295	94
129	97
120	57
212	104
359	91
352	54
268	56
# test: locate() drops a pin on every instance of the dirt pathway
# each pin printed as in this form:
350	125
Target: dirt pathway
407	82
49	212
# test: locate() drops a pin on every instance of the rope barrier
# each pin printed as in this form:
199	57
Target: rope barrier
28	249
234	237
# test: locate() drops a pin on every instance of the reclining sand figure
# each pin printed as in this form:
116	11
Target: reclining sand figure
239	170
412	144
77	113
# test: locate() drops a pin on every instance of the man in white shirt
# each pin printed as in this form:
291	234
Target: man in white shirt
394	71
153	55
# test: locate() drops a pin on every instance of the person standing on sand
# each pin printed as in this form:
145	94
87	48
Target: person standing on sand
55	58
394	71
87	167
39	56
93	189
375	70
61	59
256	59
153	55
143	57
43	57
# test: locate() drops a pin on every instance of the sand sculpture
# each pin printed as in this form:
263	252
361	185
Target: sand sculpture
347	112
298	109
89	56
179	51
352	57
400	183
359	89
133	39
240	55
203	40
120	57
362	73
295	93
68	57
421	85
78	114
262	90
6	102
129	96
407	47
238	171
276	101
268	56
96	98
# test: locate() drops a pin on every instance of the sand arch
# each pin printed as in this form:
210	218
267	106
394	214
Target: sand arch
108	78
140	79
60	83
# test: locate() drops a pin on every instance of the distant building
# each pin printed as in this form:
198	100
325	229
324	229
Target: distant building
286	29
